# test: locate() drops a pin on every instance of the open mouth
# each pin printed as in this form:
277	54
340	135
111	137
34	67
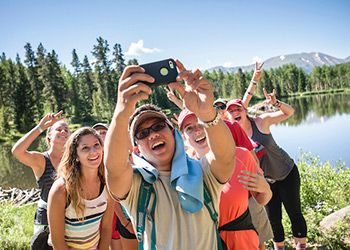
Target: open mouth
94	159
237	119
158	145
201	139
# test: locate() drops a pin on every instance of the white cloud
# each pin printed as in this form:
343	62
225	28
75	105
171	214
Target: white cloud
137	49
282	57
257	59
228	64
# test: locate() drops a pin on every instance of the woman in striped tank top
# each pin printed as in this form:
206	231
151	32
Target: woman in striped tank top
78	200
44	166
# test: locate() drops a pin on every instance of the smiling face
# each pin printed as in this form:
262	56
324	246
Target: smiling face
236	113
59	133
157	147
89	151
195	135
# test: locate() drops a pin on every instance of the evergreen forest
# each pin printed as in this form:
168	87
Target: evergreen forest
39	83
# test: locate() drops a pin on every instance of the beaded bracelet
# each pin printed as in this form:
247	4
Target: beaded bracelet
277	104
254	82
249	93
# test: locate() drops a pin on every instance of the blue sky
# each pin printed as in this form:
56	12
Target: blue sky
201	34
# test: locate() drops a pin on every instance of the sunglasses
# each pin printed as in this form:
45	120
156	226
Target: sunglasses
142	134
220	107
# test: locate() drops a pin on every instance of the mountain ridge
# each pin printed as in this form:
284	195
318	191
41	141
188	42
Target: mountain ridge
304	60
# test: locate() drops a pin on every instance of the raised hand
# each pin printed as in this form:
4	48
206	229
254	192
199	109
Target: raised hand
254	181
197	95
131	90
50	119
257	71
270	98
175	119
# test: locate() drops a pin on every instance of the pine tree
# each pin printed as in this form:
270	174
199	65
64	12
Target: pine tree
22	99
36	84
76	63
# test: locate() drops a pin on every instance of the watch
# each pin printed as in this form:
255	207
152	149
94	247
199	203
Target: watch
213	122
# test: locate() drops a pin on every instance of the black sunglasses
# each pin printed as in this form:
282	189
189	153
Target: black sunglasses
142	134
220	107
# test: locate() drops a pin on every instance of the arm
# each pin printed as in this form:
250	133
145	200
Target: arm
252	85
266	120
257	185
33	159
118	169
173	98
107	225
56	215
121	216
198	97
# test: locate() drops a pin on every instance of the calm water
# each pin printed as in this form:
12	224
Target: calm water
319	125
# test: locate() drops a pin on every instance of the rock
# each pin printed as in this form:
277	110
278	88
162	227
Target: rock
261	108
329	222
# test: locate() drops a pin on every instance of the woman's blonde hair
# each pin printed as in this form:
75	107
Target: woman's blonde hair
70	170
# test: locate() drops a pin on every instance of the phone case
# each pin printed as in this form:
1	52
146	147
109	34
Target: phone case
163	72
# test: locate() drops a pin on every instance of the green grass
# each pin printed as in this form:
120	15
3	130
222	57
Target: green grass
16	226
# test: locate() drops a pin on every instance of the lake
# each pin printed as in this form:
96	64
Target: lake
319	125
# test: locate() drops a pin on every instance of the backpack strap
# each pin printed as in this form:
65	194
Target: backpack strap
145	193
208	202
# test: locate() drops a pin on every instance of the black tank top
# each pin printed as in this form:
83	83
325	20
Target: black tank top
276	163
44	183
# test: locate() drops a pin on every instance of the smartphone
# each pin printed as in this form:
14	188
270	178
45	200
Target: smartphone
163	72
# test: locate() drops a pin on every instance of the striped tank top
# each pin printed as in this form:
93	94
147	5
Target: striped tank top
85	235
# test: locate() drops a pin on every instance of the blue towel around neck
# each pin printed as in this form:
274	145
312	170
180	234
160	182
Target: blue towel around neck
186	176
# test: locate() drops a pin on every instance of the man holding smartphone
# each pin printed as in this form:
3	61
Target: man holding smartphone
181	219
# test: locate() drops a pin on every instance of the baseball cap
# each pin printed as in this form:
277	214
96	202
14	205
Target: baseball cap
100	125
220	100
144	115
185	113
237	102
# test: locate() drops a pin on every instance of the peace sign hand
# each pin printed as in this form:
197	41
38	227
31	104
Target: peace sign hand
170	93
270	98
257	72
50	119
197	95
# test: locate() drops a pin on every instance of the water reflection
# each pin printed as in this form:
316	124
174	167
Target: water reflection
323	106
12	172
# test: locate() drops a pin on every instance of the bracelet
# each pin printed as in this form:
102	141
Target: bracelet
254	82
39	128
277	104
211	123
249	93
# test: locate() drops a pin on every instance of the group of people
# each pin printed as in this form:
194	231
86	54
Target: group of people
216	182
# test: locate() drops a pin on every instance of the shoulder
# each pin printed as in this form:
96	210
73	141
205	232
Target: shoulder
58	188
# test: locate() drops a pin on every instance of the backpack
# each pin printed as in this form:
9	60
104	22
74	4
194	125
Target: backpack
146	193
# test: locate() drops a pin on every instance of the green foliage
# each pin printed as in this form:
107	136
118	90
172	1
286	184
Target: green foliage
88	93
325	189
16	226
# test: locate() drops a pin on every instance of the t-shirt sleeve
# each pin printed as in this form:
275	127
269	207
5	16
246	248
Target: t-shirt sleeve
214	186
239	135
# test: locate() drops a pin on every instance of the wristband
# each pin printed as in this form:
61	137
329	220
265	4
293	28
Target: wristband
39	128
254	82
249	93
